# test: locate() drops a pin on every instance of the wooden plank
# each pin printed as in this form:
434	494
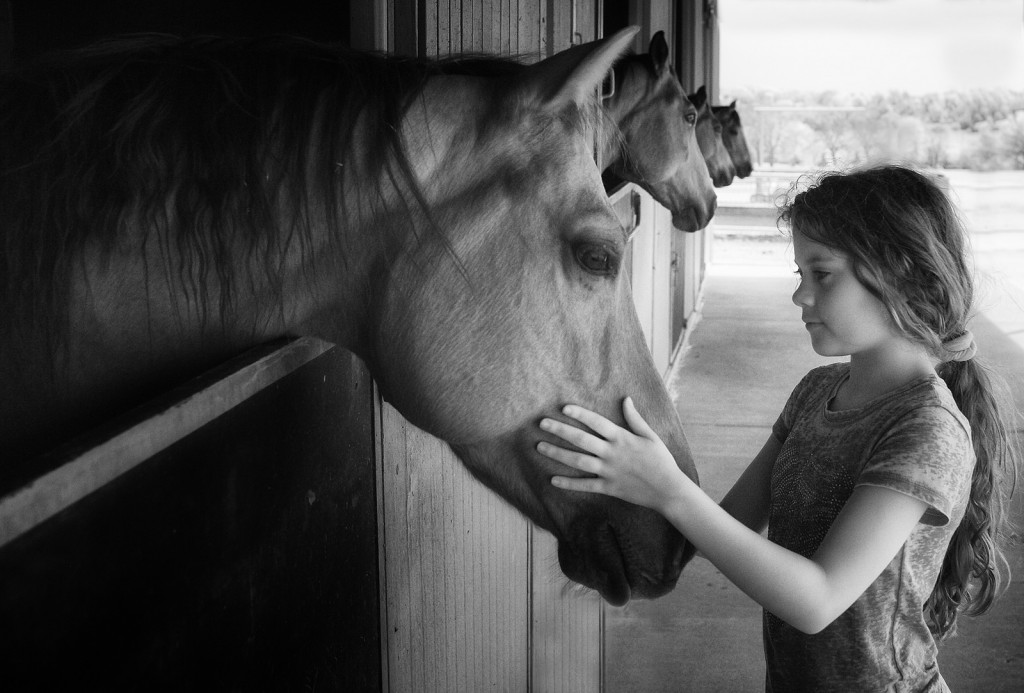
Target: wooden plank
587	19
566	626
559	25
430	31
692	264
642	269
457	570
527	29
507	22
241	557
661	288
679	276
690	64
82	467
471	26
485	19
455	19
545	39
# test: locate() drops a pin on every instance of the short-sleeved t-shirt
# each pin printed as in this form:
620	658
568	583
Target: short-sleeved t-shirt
913	440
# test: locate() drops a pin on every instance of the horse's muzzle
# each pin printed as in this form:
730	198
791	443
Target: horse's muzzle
620	564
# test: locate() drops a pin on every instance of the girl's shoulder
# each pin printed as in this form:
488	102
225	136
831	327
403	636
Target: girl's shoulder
930	400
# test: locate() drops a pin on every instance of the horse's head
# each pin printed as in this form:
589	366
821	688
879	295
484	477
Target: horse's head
659	149
709	137
734	139
515	302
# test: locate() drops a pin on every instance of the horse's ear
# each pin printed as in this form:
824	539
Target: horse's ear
699	98
659	52
573	75
733	105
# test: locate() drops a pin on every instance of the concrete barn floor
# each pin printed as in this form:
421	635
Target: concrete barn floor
742	358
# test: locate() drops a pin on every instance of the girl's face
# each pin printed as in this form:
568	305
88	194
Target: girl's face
841	315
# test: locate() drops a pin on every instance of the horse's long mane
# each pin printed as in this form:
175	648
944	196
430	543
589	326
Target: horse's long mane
203	144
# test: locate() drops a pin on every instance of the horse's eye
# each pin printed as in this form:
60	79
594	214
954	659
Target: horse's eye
691	118
596	259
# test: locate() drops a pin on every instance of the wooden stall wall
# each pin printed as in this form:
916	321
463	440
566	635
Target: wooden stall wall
696	50
221	538
529	29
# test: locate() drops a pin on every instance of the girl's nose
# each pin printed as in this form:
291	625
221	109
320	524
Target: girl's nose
802	297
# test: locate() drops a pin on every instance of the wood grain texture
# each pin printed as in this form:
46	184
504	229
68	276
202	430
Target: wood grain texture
473	594
457	570
240	557
84	466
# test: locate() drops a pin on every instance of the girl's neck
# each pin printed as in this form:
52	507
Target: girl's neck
879	371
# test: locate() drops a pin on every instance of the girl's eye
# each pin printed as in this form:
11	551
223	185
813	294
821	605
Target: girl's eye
596	259
819	276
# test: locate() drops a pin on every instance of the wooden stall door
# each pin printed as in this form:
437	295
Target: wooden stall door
649	262
222	539
474	599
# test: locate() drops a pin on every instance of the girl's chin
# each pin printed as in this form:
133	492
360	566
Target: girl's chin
825	347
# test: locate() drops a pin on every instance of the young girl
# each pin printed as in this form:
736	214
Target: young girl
882	484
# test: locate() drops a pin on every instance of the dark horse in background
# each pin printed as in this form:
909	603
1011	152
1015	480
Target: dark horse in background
166	204
734	139
710	139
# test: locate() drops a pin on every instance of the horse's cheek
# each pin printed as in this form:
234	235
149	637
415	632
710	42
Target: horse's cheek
430	369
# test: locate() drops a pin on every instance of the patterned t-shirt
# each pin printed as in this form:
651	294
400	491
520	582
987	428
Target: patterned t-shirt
913	440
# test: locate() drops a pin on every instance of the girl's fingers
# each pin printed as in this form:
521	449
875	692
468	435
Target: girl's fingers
578	437
576	460
633	419
574	484
592	420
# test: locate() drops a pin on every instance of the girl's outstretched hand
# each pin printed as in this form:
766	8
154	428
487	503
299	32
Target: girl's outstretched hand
633	465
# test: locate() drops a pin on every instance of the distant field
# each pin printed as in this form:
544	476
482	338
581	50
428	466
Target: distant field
992	202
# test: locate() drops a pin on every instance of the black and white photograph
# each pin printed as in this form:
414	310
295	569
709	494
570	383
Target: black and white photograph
442	346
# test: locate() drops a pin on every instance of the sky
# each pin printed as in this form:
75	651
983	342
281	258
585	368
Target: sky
869	46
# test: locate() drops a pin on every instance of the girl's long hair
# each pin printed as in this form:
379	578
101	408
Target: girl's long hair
909	248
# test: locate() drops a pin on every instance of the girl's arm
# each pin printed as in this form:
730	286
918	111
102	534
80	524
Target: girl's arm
807	593
749	497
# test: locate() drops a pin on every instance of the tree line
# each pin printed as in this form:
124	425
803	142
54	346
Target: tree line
980	129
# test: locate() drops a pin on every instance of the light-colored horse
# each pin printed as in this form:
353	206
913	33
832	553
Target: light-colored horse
166	204
709	137
734	139
658	148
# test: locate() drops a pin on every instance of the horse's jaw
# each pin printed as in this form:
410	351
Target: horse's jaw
622	551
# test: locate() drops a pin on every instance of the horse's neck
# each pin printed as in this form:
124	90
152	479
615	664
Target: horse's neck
320	284
618	109
139	326
134	329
